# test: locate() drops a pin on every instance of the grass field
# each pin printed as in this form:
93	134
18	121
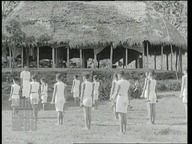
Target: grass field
170	125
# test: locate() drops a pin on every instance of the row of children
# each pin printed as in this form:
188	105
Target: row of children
89	93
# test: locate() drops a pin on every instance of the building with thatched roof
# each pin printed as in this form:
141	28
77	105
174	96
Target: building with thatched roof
120	29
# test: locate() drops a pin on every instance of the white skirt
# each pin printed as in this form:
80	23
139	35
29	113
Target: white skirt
34	98
44	98
87	102
185	96
26	88
76	93
59	104
122	104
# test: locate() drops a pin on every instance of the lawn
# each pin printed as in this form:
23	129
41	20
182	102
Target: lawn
170	125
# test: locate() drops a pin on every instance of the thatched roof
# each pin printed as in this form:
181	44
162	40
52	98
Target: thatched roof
85	24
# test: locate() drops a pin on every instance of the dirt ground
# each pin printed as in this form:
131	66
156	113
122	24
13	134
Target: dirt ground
170	125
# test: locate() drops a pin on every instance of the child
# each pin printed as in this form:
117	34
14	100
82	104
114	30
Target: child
58	96
152	97
113	92
34	95
122	100
96	85
75	89
87	97
44	89
14	95
184	91
145	91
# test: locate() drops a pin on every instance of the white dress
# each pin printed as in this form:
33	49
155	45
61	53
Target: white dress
59	98
122	97
185	89
114	91
34	95
96	91
152	94
44	95
76	87
147	88
87	97
25	75
15	95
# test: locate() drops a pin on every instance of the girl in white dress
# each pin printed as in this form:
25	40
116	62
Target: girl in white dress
96	85
112	94
14	95
44	89
58	96
122	101
75	89
184	88
152	97
87	98
25	79
34	95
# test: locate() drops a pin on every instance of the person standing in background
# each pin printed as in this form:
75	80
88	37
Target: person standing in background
96	86
75	89
184	89
25	82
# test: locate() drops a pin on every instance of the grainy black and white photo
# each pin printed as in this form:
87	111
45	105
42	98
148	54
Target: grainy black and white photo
94	72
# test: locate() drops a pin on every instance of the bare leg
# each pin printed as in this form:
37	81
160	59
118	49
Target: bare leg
121	122
125	122
89	112
153	107
58	118
148	111
86	117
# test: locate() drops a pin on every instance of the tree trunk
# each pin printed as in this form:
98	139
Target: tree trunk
147	56
171	58
180	59
53	57
167	61
37	57
22	57
111	55
68	56
143	59
27	55
81	58
155	62
176	63
10	58
126	57
161	57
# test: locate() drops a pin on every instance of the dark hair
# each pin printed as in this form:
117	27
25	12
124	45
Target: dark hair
34	77
16	79
115	75
43	79
122	73
76	76
95	77
87	76
58	76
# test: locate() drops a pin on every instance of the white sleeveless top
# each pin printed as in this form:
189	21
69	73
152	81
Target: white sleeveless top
44	89
96	86
35	87
60	91
124	87
16	89
25	75
88	89
76	84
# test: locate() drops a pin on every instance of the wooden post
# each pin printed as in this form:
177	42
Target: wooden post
95	58
126	57
22	57
171	57
161	57
143	58
53	57
10	58
147	56
180	59
176	63
155	63
81	58
37	57
68	56
111	55
167	61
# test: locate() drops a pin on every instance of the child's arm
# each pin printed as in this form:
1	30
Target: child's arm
11	93
54	93
144	87
112	89
182	86
72	86
82	94
92	93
